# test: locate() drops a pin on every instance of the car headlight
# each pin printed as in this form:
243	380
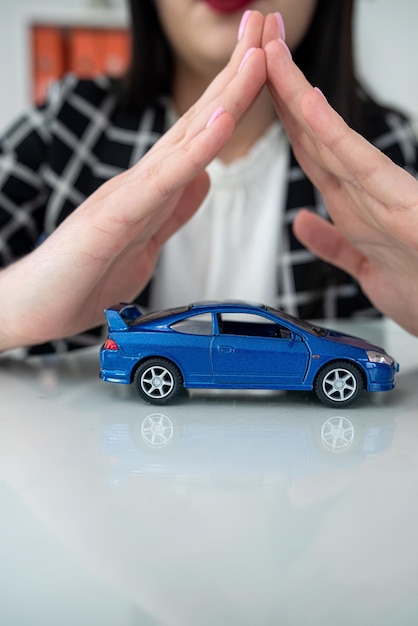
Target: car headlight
379	357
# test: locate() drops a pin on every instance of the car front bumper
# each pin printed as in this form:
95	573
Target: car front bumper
381	376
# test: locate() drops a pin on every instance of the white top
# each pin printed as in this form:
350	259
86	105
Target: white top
229	249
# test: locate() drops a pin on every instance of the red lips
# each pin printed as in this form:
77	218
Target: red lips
228	6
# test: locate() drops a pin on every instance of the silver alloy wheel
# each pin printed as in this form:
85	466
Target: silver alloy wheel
157	382
339	385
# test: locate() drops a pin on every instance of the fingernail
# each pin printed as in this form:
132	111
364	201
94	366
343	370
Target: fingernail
243	24
245	57
280	22
217	113
284	44
321	92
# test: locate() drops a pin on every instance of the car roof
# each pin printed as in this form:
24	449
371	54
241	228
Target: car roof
227	304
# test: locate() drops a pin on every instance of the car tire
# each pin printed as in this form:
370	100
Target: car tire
339	384
158	381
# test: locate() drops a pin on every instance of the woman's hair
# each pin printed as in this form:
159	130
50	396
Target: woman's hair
325	56
150	72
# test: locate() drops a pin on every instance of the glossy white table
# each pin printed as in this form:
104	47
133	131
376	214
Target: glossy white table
224	510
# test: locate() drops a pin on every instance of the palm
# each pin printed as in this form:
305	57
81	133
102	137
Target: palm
372	202
372	240
107	249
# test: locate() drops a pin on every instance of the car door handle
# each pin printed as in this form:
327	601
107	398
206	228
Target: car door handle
226	349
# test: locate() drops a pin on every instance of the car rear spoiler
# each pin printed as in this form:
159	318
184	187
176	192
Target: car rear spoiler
121	316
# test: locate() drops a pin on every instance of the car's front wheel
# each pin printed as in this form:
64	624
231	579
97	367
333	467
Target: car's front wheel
339	384
157	381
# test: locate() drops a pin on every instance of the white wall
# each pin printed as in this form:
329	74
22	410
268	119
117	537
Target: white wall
387	48
15	16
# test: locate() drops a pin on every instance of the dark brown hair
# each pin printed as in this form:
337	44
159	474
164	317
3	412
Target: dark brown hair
325	56
150	72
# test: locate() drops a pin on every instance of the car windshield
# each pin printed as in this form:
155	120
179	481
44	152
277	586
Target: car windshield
311	328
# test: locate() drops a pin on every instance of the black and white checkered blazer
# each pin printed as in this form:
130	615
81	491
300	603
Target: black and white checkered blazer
56	155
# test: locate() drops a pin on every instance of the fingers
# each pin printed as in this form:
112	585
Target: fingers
200	134
191	144
196	118
364	165
274	28
286	82
292	94
326	147
325	241
250	37
141	199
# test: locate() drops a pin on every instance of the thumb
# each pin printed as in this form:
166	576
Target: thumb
190	200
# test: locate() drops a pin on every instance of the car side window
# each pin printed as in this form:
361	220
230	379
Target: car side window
248	324
200	324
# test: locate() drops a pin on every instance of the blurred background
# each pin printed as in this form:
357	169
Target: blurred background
39	38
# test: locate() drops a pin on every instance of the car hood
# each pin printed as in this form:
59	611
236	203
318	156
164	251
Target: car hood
356	342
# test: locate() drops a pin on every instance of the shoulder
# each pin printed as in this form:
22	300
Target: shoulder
71	89
73	102
66	99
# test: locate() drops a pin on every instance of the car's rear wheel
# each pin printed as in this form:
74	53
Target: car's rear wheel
339	384
158	381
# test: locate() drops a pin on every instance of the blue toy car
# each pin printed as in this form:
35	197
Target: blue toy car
235	345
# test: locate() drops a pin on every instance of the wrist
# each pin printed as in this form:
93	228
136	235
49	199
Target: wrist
12	321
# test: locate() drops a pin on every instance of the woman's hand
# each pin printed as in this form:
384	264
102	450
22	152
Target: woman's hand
372	202
107	249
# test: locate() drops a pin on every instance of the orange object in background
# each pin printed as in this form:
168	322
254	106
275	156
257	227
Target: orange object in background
96	51
86	51
48	61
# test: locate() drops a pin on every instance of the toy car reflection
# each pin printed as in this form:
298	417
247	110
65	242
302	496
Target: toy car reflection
246	446
235	345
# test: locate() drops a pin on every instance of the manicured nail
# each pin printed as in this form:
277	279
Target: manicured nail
284	44
217	113
282	29
245	57
243	24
